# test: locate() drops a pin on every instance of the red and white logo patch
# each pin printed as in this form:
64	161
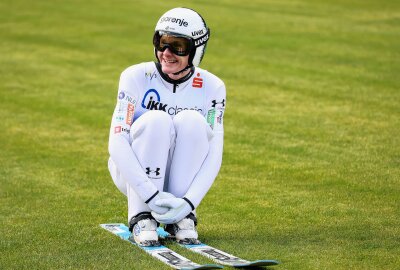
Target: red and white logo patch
129	114
117	129
197	82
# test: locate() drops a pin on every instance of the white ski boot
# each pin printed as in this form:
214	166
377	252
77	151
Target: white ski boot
144	230
184	231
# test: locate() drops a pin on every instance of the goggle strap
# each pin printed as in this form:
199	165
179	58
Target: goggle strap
203	39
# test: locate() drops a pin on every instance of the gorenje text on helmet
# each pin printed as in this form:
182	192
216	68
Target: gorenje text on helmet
180	22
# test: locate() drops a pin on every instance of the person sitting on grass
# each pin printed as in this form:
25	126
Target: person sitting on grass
166	136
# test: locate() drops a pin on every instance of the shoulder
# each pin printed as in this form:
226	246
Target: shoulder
134	78
212	84
209	78
138	71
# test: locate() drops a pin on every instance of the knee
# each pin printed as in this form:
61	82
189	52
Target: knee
158	119
189	122
154	122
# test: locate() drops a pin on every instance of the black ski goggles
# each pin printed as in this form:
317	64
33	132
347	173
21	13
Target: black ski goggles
178	45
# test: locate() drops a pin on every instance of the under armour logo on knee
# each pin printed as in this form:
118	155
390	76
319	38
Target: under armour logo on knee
156	171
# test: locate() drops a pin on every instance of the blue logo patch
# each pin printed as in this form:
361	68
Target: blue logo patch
157	95
121	95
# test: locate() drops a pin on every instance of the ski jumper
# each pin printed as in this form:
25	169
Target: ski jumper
166	135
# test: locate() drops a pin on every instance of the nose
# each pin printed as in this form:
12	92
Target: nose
168	51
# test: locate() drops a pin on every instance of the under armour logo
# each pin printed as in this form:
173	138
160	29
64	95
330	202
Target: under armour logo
156	171
214	103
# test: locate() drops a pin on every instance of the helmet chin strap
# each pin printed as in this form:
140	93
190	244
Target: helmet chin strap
183	70
168	79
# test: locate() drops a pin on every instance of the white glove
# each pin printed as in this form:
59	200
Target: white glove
178	210
159	196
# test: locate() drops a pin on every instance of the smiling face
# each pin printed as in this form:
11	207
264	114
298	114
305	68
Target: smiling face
172	63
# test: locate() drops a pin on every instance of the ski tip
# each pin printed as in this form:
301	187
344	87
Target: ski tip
256	264
205	266
111	224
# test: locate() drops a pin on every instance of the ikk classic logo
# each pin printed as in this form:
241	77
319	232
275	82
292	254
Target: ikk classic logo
152	101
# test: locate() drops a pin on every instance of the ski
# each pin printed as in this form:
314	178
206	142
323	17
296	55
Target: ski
217	255
164	254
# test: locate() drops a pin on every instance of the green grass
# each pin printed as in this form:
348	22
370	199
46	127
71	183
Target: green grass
311	166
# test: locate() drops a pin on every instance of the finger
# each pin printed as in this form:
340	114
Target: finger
166	218
156	215
166	195
163	220
160	210
164	203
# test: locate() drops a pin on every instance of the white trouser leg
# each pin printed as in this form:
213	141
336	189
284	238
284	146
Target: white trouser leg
152	135
191	148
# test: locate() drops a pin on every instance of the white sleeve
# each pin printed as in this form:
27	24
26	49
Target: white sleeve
211	165
119	145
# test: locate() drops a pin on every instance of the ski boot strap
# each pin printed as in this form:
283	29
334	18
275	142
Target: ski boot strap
139	217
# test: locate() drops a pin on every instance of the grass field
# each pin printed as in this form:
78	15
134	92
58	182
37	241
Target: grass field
311	169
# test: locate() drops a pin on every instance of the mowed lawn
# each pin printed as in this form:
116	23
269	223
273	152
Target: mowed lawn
311	168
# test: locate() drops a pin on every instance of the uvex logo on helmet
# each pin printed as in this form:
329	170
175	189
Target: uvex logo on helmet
201	40
180	22
197	33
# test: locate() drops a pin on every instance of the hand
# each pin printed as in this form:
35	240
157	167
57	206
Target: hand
178	210
160	196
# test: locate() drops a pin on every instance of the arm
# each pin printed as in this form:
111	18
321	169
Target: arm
119	141
181	207
208	171
212	164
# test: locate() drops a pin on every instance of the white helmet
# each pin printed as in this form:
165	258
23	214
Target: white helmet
187	23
